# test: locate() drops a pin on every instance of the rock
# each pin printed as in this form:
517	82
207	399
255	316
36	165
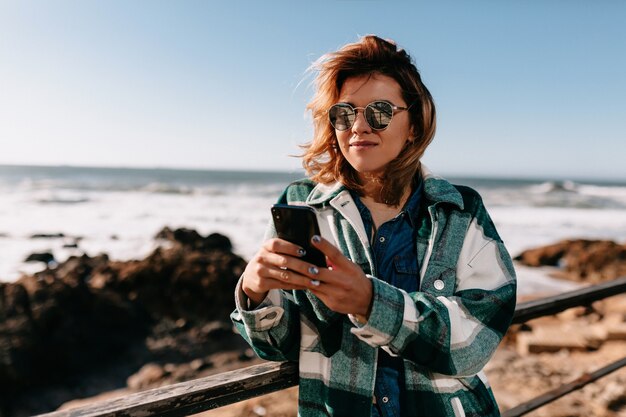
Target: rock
247	355
216	241
589	260
93	316
187	237
543	256
613	397
47	236
557	338
45	257
14	301
615	331
148	375
191	238
194	284
79	269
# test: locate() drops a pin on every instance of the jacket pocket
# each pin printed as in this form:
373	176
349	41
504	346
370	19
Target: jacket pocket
407	273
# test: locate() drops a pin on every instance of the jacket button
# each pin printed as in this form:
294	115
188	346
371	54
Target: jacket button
439	284
271	316
385	400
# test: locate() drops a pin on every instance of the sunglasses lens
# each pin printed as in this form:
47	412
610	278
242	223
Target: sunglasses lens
379	114
341	116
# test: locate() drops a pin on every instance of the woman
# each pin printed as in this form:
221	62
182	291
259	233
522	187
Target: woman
419	288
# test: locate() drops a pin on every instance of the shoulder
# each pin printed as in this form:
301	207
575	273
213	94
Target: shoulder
297	191
472	201
473	204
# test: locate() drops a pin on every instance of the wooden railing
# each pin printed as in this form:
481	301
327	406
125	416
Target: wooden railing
203	394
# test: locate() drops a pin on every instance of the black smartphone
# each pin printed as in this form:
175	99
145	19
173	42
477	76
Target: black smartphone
298	224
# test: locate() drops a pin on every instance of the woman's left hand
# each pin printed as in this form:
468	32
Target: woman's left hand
343	288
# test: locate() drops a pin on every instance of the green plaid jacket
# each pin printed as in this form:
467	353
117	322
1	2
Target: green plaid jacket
445	332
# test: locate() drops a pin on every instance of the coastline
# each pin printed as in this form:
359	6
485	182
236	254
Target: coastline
118	211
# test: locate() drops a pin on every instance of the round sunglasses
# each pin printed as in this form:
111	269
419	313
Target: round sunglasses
378	114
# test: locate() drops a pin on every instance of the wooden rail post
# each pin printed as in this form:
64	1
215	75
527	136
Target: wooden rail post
561	302
195	396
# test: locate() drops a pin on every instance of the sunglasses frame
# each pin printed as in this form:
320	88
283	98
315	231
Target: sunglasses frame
355	110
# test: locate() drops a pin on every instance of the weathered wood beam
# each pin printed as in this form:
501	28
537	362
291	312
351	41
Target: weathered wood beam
561	302
192	397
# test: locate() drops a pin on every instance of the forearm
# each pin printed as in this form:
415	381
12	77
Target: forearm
448	335
271	327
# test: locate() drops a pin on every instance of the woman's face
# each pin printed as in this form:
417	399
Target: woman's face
367	150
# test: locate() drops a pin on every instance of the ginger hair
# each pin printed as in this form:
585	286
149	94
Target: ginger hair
322	158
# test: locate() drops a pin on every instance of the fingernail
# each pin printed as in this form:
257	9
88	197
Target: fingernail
313	270
316	239
315	282
301	252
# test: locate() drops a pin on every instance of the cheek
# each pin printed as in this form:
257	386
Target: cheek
399	136
343	138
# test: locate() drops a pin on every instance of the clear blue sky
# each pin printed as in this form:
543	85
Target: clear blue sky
532	88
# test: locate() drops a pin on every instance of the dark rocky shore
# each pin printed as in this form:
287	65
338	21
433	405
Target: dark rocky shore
90	326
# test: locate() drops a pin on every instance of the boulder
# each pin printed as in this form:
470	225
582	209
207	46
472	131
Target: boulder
591	261
45	257
192	239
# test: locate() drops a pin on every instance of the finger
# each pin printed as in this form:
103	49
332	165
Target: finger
326	277
280	284
321	290
282	261
289	262
290	277
334	255
277	245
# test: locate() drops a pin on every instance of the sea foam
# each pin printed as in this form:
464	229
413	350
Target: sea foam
119	212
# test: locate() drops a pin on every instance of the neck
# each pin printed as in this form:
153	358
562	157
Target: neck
381	211
372	186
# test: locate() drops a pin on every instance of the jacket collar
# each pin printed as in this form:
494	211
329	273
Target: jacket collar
323	193
439	190
436	190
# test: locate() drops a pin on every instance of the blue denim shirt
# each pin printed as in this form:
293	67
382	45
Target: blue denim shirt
395	257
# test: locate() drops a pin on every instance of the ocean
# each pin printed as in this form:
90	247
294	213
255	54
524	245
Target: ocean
118	211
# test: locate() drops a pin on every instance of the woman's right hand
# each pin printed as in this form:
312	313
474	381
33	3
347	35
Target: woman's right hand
277	265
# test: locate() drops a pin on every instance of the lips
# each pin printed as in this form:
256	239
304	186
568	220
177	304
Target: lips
362	144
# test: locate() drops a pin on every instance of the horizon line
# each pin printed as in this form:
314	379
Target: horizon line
482	176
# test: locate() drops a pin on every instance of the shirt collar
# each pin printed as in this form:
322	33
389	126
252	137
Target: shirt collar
412	206
410	209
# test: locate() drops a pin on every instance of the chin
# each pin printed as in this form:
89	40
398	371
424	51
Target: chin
369	171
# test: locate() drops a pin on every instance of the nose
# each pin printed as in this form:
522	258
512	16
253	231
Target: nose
360	125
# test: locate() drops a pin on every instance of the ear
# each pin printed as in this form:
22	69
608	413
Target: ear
412	135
